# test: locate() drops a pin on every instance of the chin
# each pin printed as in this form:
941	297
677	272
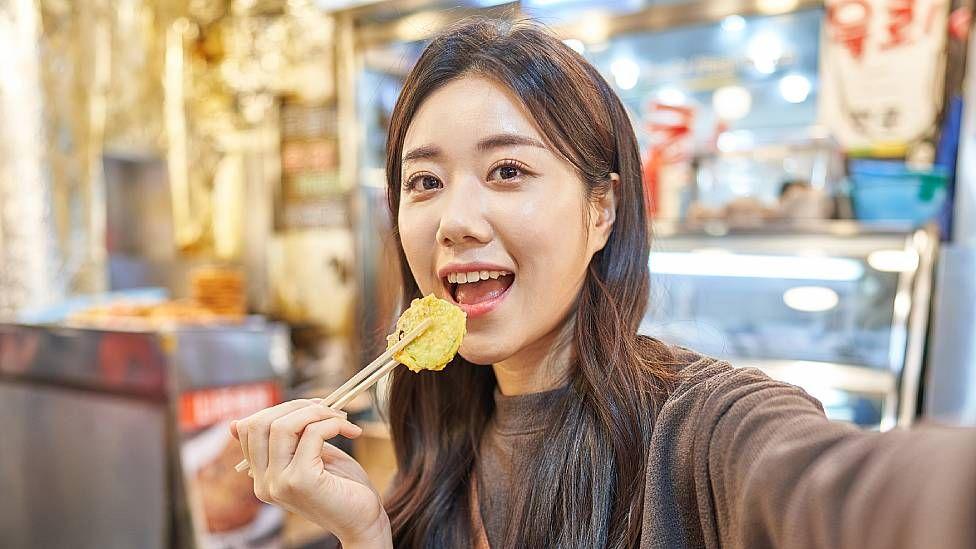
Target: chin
481	352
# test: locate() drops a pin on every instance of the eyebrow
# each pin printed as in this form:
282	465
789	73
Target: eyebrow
500	140
496	141
422	153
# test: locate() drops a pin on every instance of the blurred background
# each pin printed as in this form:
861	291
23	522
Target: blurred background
193	225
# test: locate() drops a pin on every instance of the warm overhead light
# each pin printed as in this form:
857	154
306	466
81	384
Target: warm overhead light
625	72
893	261
670	95
777	6
811	299
595	28
765	51
795	88
575	44
724	252
733	23
737	140
757	266
732	102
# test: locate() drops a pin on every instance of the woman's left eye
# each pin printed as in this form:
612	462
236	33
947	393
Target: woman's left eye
506	172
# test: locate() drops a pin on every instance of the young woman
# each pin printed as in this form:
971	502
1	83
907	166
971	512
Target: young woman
512	162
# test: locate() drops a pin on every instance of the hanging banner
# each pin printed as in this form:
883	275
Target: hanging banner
667	166
311	195
882	65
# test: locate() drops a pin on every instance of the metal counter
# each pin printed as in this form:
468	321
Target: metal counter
96	425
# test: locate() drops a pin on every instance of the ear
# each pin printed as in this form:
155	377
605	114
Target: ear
605	213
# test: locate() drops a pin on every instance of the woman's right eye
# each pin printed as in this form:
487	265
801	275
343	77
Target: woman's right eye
423	183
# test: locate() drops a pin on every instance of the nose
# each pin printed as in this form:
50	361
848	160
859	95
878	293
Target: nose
463	219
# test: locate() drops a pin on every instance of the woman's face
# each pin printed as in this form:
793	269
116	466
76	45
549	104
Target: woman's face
493	220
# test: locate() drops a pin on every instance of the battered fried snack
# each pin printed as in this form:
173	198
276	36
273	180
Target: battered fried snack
433	349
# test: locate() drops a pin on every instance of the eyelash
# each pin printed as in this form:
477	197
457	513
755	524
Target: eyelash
511	163
410	184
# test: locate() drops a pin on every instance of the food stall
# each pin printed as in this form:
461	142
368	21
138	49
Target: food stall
116	436
251	136
176	205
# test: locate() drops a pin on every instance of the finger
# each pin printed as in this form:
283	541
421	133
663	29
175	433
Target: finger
310	445
286	431
343	465
241	428
257	430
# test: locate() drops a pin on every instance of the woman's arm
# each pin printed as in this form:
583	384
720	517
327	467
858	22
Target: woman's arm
769	470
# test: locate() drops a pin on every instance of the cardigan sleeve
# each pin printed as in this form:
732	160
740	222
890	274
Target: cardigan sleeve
756	464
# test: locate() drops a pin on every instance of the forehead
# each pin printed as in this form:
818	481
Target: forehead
465	110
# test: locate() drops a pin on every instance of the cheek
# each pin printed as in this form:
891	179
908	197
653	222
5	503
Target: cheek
418	235
545	231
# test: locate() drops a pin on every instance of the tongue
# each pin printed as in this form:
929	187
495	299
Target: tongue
476	292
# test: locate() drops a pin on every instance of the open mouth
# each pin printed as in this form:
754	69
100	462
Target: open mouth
477	292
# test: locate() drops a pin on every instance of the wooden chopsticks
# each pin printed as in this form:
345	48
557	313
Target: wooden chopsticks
365	378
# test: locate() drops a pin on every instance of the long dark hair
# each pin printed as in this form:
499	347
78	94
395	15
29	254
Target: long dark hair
587	481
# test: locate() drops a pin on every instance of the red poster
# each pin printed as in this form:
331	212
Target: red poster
206	407
225	512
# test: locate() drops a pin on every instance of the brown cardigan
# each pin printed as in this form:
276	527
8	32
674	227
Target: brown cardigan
739	460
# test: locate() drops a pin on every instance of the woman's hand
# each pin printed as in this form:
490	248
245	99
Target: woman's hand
294	468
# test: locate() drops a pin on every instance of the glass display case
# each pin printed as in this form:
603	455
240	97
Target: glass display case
836	308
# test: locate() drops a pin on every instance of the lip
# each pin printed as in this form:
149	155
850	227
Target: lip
476	309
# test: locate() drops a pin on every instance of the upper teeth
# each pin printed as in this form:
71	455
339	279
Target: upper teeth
474	276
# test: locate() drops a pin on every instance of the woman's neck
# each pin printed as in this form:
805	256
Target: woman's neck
538	367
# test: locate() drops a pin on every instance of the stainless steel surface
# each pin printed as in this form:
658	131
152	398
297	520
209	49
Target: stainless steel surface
131	363
964	219
950	390
227	356
144	363
81	470
926	245
723	291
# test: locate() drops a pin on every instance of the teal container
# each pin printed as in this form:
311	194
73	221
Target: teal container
890	191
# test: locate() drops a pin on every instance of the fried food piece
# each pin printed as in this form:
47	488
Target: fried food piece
433	349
